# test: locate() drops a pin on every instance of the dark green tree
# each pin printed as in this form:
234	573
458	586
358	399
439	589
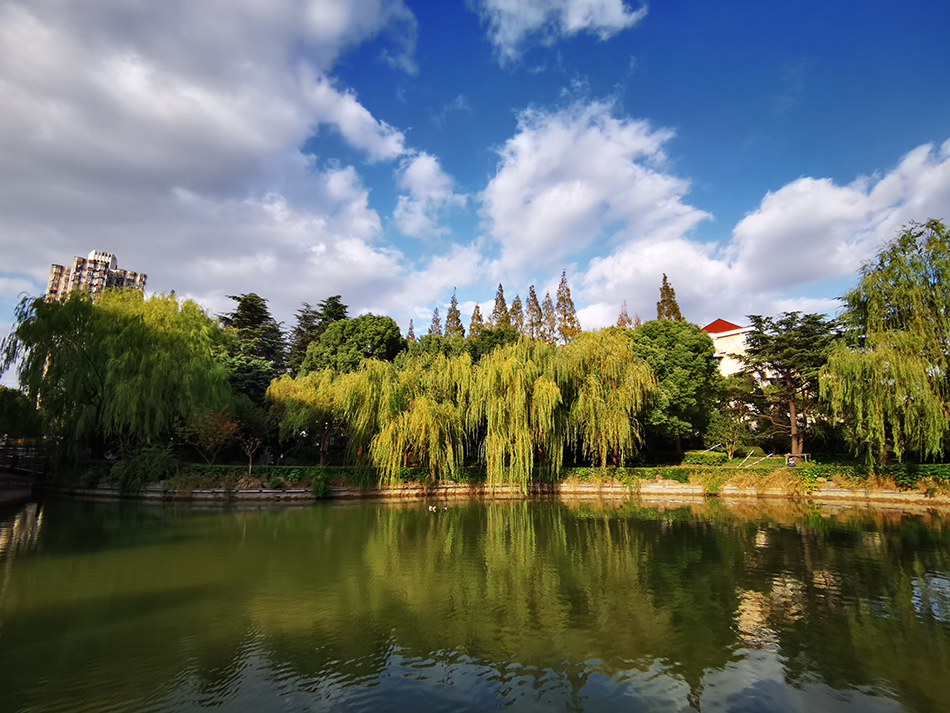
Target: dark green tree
453	320
19	417
568	326
311	323
488	340
533	317
667	307
256	333
890	379
347	342
785	354
681	356
500	319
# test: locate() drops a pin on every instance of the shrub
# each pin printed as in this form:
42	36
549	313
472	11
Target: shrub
144	466
705	458
321	488
275	481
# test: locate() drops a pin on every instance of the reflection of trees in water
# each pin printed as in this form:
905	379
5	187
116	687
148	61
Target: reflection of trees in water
543	594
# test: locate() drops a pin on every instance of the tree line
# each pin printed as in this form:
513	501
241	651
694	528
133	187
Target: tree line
522	392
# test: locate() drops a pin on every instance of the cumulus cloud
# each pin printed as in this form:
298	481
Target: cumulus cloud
169	133
513	22
807	232
430	191
569	178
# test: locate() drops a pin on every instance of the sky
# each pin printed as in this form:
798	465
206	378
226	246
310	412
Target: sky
395	151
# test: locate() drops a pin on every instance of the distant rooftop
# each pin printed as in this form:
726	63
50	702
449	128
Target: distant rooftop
720	325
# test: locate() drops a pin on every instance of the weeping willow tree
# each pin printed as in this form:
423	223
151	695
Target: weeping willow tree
890	381
124	366
312	401
423	417
609	387
516	401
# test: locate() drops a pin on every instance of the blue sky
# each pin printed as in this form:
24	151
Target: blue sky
391	151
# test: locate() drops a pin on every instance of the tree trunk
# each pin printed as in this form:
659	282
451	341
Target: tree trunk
325	443
793	423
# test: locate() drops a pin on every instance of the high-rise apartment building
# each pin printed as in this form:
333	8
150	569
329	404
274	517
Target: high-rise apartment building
92	274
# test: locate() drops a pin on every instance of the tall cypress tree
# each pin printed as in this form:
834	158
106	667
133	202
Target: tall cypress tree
500	319
548	319
624	319
435	329
533	316
667	308
477	325
453	320
568	326
411	334
516	315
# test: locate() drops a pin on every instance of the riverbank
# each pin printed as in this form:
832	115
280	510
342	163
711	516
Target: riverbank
827	493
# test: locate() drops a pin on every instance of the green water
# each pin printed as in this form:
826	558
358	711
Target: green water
527	605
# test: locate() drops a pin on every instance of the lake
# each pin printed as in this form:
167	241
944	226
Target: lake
529	605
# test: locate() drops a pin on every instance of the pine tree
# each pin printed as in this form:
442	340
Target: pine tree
667	308
477	325
533	317
453	320
636	320
500	319
312	322
411	334
516	315
548	319
568	326
624	319
435	328
257	333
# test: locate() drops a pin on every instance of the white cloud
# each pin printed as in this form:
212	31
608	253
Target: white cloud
513	22
569	177
170	134
430	192
342	110
807	232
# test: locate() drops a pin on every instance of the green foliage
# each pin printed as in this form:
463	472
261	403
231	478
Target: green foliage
275	481
346	342
667	307
311	324
681	357
786	354
705	458
124	366
321	488
19	418
487	340
142	467
608	387
257	334
889	381
568	325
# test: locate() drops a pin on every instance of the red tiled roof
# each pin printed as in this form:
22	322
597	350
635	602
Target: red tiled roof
720	325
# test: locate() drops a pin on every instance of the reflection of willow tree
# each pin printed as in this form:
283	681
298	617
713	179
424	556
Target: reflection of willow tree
332	595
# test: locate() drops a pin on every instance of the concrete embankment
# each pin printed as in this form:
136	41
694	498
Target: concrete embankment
648	490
